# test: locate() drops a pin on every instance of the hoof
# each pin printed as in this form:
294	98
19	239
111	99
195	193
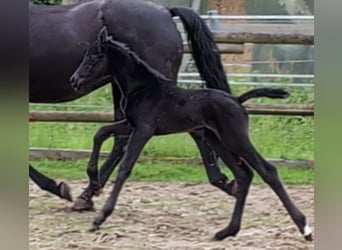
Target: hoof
213	239
309	237
219	236
98	192
93	228
230	232
83	205
65	191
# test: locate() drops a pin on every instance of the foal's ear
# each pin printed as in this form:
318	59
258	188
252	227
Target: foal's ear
102	36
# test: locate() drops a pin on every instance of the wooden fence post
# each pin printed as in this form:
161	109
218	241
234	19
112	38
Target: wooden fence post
68	2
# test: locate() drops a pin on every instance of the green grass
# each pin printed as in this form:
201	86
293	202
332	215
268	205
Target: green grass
273	136
163	171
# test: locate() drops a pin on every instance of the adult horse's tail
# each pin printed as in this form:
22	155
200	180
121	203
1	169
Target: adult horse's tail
204	49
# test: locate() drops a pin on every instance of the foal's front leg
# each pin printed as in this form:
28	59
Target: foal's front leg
136	143
84	200
120	128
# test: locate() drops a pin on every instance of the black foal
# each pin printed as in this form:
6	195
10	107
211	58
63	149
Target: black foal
161	108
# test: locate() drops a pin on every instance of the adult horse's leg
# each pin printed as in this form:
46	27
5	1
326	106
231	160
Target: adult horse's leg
137	141
208	62
61	190
84	201
216	178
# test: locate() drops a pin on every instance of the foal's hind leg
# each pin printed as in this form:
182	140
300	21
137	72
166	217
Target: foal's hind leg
136	143
269	174
244	176
216	178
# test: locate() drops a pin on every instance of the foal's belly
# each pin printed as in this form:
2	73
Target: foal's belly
171	123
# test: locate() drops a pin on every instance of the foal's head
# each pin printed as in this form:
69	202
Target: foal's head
94	64
97	59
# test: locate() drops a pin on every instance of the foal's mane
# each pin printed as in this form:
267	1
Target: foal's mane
135	59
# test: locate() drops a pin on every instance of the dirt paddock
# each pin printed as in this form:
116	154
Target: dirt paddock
169	216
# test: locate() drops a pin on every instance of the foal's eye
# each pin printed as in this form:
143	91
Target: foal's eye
94	58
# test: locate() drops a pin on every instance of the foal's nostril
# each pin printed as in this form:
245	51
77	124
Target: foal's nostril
74	83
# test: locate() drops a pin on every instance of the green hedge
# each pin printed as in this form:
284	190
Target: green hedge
46	2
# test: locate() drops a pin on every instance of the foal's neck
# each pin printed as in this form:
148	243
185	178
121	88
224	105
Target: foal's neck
133	74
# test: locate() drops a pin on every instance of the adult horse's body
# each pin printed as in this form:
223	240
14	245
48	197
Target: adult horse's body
59	35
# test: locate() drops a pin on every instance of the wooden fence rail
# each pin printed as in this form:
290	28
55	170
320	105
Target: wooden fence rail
267	33
77	116
224	48
232	36
75	154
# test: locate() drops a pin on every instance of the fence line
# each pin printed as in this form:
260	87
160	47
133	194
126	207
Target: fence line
270	33
268	61
252	83
75	154
76	116
300	111
309	76
224	48
266	33
258	17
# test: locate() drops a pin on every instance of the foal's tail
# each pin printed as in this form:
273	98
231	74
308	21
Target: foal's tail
204	49
263	92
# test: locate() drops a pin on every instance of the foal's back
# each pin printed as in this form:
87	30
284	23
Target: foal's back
172	109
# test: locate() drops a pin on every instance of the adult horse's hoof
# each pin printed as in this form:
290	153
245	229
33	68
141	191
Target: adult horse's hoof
65	191
82	204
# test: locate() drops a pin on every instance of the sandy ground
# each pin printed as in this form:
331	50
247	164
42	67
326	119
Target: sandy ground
169	216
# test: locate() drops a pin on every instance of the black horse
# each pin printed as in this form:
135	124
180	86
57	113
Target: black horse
59	35
161	108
